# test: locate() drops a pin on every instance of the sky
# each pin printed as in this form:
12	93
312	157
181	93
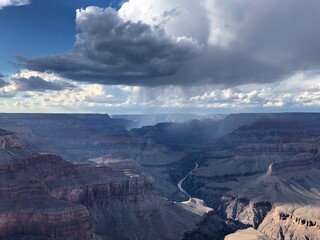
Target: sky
151	56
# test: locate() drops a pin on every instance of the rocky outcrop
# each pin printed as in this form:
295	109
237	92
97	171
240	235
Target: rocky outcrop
115	162
46	218
89	186
27	208
247	234
45	197
211	227
282	224
249	213
8	139
289	166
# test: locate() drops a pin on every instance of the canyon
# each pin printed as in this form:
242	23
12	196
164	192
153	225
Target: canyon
79	176
46	197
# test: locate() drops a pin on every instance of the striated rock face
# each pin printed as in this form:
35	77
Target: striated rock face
45	197
27	208
245	177
255	169
77	138
276	169
89	185
283	224
67	222
74	137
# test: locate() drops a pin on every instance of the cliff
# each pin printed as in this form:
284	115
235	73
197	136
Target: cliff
45	197
28	209
289	222
257	168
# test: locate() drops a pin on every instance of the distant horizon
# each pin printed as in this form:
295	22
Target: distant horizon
146	114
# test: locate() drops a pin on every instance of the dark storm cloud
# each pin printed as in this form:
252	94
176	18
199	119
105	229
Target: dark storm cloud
38	84
285	33
111	51
269	40
223	67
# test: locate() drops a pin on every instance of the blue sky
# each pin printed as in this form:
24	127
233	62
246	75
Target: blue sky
41	28
151	56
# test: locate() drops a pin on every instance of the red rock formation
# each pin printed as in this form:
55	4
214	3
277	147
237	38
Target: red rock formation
45	196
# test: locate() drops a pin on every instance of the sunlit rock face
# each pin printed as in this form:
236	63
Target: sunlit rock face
292	222
247	234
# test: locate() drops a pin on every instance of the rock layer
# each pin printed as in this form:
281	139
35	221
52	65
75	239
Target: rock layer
46	197
283	225
253	170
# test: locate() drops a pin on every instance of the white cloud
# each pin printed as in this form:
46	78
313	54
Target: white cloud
172	15
7	3
295	93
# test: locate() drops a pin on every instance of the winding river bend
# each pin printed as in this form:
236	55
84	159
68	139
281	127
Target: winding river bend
194	205
183	179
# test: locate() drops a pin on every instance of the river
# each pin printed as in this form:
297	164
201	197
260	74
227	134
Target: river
183	179
194	205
